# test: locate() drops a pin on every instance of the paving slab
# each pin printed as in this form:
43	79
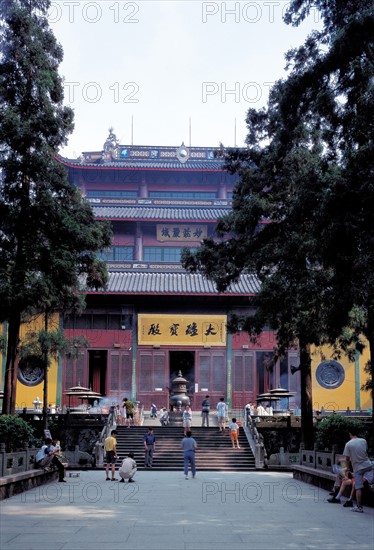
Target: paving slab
162	510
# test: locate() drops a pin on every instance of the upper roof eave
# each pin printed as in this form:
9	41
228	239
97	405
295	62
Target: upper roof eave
117	165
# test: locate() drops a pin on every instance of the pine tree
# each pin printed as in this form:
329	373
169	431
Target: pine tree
302	210
48	235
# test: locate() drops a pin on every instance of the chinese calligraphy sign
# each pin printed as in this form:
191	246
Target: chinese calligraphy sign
188	330
178	232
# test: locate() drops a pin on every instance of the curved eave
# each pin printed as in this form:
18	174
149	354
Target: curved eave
158	293
173	284
163	220
133	167
164	214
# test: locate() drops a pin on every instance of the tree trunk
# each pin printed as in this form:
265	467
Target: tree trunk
307	430
11	365
371	348
45	385
18	278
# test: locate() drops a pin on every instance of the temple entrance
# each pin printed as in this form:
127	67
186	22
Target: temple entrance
97	370
183	361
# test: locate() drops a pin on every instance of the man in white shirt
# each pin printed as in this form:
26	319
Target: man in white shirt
222	410
356	450
128	469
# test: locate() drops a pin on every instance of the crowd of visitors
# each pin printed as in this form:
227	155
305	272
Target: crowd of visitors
353	471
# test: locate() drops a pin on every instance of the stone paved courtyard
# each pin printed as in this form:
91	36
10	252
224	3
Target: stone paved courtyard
162	510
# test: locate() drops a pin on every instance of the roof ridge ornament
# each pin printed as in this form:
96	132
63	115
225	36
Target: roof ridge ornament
112	142
183	154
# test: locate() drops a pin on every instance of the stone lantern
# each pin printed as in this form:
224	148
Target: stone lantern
37	405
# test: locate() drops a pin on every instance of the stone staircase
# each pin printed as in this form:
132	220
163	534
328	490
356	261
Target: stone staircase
214	453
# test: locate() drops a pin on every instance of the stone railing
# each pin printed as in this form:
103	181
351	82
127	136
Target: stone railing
314	459
14	463
255	440
78	459
99	446
283	459
320	460
23	461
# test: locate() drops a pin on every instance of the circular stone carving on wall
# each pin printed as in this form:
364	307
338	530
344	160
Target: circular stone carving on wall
330	374
31	371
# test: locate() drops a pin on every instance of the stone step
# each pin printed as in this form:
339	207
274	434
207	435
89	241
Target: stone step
214	453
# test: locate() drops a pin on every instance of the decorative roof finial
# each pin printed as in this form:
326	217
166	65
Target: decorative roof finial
111	142
183	153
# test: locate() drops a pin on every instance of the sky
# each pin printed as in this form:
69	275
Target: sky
163	72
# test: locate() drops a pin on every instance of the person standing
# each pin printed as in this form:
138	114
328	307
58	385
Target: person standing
221	414
118	416
123	413
205	409
129	405
356	450
128	469
149	446
187	419
234	433
110	446
189	447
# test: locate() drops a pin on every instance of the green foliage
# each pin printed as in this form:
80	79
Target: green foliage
49	237
369	384
302	210
15	432
334	430
2	343
43	344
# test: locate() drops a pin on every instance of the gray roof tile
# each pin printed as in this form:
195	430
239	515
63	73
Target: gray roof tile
158	213
174	283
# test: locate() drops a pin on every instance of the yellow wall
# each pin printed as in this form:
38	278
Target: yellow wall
26	394
349	393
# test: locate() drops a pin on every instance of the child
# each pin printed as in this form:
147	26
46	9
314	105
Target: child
153	411
187	419
118	416
234	431
164	418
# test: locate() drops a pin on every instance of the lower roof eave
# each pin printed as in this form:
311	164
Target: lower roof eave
160	292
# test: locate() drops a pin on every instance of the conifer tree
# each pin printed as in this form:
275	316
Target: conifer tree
48	235
302	210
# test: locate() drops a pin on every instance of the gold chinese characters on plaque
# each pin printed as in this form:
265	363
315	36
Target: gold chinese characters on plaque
181	232
185	330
